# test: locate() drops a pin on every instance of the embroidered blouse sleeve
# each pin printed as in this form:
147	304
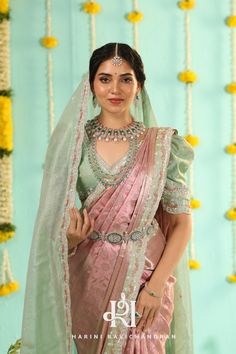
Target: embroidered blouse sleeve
176	195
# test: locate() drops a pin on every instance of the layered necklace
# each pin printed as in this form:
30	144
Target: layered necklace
96	131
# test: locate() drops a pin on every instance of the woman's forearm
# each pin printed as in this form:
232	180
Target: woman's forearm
177	241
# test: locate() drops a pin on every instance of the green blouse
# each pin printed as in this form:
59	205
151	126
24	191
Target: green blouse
176	196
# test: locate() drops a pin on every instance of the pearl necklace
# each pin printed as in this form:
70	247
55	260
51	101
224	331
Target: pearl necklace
98	131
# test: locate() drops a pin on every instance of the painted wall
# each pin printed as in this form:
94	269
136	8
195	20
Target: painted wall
161	37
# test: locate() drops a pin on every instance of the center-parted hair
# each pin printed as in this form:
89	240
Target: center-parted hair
108	51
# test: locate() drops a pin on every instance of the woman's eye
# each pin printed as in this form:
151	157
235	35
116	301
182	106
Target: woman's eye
104	79
127	79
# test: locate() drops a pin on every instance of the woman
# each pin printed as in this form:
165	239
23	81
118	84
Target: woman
100	277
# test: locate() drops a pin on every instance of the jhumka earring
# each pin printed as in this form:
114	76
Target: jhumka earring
94	102
136	101
116	60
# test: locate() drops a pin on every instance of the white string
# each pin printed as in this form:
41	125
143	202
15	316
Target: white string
6	268
50	68
135	27
93	32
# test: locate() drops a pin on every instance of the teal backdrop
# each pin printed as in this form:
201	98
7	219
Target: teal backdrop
161	40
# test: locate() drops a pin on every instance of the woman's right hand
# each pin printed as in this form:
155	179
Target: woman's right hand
80	227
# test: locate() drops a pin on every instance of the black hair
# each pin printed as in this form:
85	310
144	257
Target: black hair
107	51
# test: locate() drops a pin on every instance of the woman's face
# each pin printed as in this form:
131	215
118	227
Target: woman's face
115	87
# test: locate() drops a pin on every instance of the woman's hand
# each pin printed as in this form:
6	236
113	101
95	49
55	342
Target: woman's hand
148	306
79	228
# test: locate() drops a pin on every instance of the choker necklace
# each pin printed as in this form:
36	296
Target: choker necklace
96	130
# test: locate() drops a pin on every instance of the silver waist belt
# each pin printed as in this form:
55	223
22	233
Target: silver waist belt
117	237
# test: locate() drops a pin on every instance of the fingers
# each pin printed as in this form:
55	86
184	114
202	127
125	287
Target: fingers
72	225
142	320
149	320
79	220
87	224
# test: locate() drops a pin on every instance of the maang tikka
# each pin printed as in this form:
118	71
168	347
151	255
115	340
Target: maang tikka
116	60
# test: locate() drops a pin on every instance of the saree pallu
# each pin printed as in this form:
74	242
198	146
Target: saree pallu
100	271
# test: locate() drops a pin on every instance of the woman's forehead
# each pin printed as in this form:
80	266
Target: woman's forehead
107	67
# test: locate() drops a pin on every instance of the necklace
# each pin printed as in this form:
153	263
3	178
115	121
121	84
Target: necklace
96	130
108	179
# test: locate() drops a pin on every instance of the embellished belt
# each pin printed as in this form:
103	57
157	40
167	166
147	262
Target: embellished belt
118	238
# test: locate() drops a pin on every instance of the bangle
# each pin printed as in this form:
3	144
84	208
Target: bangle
150	292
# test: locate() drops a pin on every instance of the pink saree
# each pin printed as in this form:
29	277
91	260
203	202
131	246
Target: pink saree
100	271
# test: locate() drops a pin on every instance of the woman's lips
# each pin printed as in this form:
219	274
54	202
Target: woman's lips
115	100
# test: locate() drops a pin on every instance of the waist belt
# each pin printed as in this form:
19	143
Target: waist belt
118	238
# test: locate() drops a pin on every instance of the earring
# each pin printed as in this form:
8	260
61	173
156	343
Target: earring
136	102
94	102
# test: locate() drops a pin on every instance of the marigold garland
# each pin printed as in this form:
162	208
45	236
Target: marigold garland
10	285
49	42
231	149
231	21
186	5
192	139
195	203
231	278
231	88
231	214
193	264
4	6
187	77
135	16
9	288
7	231
6	129
91	7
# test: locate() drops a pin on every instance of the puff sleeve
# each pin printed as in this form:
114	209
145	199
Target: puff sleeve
176	195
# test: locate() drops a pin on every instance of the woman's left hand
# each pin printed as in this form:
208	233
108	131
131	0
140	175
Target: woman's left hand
148	306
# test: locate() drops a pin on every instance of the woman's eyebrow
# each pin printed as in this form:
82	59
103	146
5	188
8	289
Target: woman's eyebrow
126	74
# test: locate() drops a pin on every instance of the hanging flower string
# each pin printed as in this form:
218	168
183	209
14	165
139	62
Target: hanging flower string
92	8
8	284
189	77
6	129
231	148
49	42
135	17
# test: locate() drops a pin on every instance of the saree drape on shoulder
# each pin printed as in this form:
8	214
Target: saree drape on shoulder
67	296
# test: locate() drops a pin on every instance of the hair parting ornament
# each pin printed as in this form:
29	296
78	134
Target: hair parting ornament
116	60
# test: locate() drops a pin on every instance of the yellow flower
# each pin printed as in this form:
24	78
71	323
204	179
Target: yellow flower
4	6
231	149
135	16
231	278
6	129
195	203
231	88
8	288
193	264
231	21
187	76
192	139
186	5
231	214
6	235
91	7
49	42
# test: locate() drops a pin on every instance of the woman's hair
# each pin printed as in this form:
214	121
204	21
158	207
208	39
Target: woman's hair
124	51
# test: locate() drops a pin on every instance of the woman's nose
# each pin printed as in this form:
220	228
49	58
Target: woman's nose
115	86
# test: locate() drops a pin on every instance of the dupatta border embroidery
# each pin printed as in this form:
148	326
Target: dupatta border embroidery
61	241
117	335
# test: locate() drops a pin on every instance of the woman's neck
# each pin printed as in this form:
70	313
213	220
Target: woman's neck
115	121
